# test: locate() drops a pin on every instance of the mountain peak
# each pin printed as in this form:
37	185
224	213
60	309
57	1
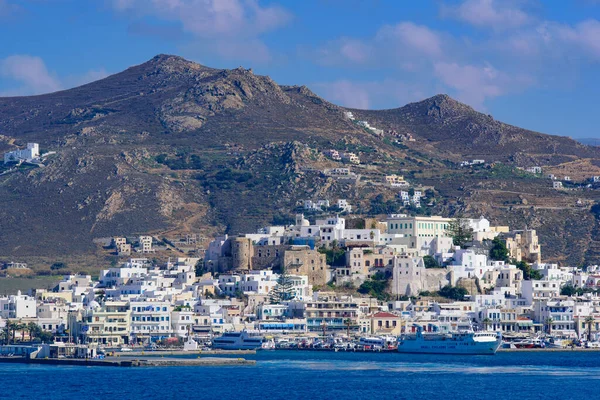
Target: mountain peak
447	101
439	107
171	63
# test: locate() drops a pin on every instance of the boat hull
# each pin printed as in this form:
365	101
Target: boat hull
448	349
465	346
236	346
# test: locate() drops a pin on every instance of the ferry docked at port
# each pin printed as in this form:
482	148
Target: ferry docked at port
458	342
244	340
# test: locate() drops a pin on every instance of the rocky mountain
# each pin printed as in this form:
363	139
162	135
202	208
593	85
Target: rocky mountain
171	146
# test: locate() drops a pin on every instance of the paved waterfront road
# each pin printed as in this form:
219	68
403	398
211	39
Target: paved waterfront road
323	375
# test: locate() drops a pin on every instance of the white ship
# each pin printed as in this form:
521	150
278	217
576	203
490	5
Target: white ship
461	342
243	340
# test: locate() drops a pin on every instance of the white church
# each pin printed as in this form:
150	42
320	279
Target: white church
31	153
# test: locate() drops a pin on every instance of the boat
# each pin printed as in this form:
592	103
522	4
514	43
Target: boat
372	343
458	342
243	340
530	343
552	342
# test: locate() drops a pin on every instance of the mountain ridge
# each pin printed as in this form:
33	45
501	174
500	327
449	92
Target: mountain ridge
171	147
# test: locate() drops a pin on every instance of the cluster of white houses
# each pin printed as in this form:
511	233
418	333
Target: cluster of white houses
233	287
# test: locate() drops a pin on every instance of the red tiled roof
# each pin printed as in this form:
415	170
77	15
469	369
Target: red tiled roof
384	315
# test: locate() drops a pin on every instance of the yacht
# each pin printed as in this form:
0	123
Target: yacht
528	343
459	342
243	340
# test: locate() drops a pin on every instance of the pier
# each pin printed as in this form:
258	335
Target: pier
126	361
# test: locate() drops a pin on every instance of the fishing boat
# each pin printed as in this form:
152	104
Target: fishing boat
458	342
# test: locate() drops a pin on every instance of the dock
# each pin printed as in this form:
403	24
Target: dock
126	361
545	350
162	353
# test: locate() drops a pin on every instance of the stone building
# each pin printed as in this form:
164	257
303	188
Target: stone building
523	245
301	260
410	277
242	251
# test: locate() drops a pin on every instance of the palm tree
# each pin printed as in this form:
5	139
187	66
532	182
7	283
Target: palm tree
549	321
348	323
32	329
486	322
589	320
5	334
11	330
19	326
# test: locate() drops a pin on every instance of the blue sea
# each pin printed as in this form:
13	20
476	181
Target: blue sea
323	375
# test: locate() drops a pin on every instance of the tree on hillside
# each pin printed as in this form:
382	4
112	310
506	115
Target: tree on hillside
568	290
528	273
453	292
58	265
460	231
375	287
335	256
498	252
283	290
430	262
199	268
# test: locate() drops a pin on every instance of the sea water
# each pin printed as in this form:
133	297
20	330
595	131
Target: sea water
323	375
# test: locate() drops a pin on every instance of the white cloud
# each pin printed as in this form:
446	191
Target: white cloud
7	8
370	94
31	74
494	14
28	75
475	84
553	44
418	38
405	45
585	35
234	23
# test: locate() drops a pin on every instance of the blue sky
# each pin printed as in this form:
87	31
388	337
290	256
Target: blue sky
531	63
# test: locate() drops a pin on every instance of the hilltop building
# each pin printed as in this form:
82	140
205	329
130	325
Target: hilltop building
31	153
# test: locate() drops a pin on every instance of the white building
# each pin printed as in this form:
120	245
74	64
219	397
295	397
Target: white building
536	290
333	154
559	314
351	158
150	319
18	306
344	206
145	244
468	264
534	170
135	268
31	153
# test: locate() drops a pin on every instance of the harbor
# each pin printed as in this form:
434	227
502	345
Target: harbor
132	361
401	376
